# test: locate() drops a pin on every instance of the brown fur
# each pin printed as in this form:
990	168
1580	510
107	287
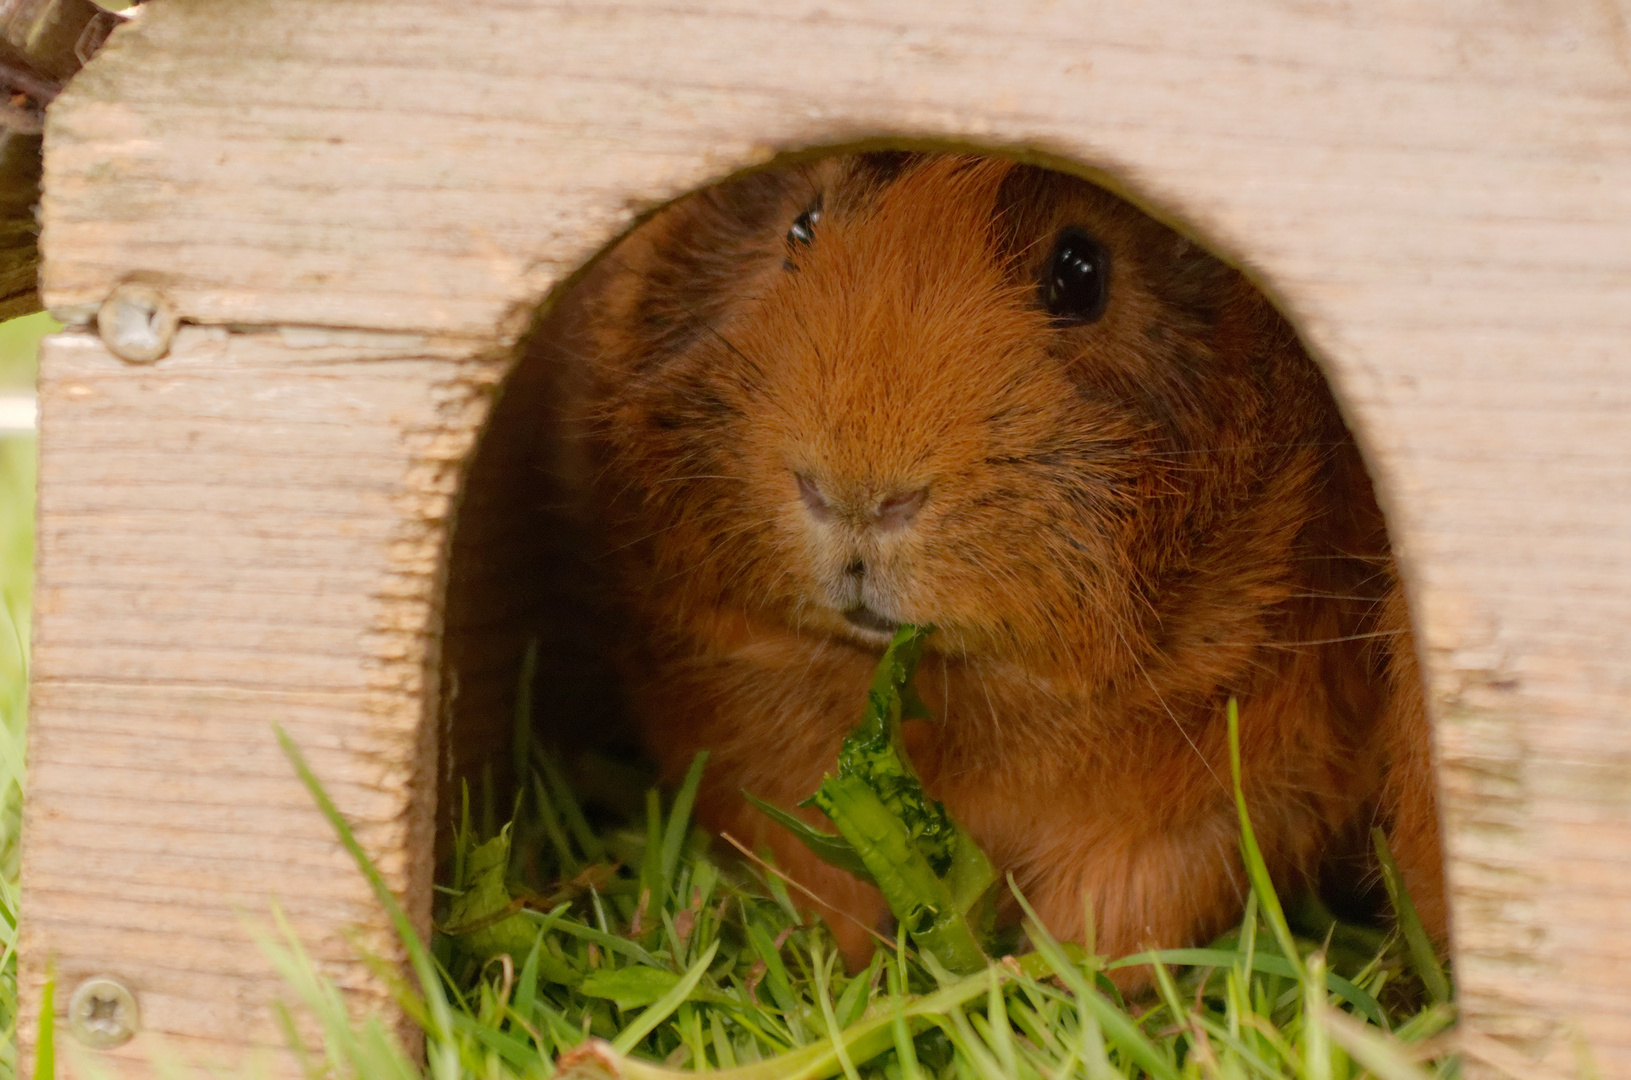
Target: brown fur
1122	524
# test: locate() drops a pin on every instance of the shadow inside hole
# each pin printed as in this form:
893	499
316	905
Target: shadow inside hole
530	643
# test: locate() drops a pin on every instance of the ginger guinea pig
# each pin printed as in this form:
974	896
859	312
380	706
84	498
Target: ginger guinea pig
816	403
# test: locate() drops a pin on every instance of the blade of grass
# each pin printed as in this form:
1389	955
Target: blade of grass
724	1052
603	938
1374	1053
864	1041
899	1030
1267	964
1231	1041
589	841
830	848
647	1021
1316	1037
1423	960
653	885
968	1043
444	1060
852	1002
1116	1023
1002	1031
1425	1024
1256	869
679	817
823	967
550	819
45	1051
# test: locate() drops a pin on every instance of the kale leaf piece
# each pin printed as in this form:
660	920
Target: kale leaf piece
936	880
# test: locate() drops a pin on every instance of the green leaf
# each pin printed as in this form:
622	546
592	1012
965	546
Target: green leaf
830	848
938	883
919	899
971	882
664	1007
873	752
485	919
630	987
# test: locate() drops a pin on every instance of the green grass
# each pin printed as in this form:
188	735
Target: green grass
19	343
636	944
19	340
600	926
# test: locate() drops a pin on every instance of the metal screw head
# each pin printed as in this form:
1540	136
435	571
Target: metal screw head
137	323
102	1013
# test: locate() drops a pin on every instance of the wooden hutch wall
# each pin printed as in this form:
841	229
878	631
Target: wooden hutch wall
357	207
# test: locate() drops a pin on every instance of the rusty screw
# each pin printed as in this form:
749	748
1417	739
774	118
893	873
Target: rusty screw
137	323
102	1013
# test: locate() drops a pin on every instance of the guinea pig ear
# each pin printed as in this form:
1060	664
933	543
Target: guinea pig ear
870	173
1026	215
1194	283
672	280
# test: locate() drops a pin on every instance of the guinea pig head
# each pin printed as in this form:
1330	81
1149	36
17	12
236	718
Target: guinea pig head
928	389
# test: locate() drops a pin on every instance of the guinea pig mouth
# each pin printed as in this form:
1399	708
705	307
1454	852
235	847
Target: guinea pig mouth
867	619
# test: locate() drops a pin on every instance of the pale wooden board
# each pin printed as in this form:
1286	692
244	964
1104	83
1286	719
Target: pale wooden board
229	561
1439	194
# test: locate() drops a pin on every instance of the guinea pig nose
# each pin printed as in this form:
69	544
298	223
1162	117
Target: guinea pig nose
811	497
898	510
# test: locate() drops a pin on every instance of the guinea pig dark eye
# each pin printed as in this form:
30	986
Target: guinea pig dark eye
1076	282
803	230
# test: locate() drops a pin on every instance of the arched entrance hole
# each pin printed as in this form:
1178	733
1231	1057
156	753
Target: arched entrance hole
536	642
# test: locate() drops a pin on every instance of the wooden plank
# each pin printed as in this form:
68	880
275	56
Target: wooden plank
1384	97
176	623
1439	195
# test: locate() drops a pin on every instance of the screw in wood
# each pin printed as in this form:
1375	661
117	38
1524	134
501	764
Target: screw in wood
102	1013
137	323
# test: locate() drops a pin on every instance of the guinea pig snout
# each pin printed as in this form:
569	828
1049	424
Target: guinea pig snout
888	513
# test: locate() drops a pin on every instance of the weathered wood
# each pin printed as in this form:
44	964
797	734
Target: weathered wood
1440	196
224	565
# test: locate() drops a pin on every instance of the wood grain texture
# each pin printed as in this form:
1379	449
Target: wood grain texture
1439	195
235	558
